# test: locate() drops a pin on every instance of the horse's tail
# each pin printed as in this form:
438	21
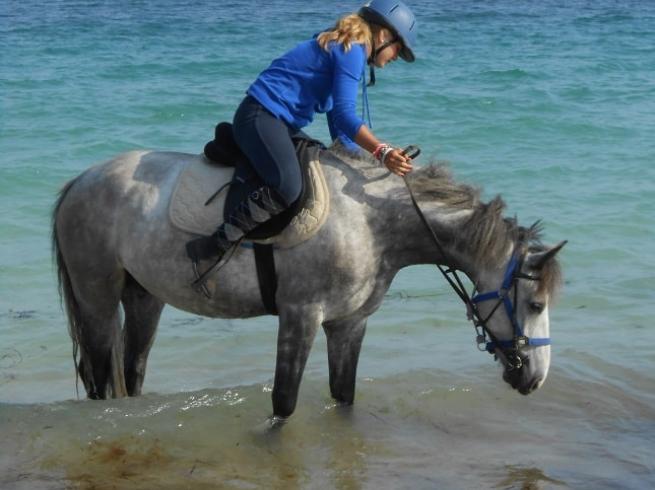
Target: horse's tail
66	293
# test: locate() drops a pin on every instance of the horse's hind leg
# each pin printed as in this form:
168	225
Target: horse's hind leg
142	312
98	335
344	341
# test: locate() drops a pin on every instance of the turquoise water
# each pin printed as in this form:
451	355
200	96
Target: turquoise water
551	104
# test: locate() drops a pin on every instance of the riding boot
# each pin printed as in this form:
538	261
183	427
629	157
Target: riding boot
260	206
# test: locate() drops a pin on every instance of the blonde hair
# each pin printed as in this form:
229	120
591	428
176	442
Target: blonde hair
349	29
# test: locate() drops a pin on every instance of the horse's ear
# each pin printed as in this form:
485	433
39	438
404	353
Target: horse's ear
537	260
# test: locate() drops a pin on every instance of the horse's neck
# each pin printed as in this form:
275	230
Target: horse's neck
400	233
416	244
410	242
401	237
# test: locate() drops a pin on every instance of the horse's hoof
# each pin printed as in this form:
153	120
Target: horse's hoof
271	424
276	421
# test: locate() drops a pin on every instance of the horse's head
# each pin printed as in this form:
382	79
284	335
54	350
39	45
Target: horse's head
511	314
515	276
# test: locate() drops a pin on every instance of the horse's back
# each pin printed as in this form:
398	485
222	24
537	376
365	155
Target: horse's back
138	180
142	168
133	187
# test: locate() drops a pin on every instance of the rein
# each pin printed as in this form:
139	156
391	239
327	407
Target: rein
509	348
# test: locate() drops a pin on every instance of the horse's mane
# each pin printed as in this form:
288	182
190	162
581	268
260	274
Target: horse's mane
487	234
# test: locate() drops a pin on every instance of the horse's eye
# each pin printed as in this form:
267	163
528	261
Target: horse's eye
536	307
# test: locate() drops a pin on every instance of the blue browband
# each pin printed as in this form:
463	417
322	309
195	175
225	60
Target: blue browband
502	295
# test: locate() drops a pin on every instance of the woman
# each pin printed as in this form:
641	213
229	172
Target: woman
319	75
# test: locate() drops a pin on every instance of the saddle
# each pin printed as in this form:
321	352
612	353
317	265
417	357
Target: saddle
210	186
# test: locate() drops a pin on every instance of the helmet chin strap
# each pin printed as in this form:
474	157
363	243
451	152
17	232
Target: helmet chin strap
374	54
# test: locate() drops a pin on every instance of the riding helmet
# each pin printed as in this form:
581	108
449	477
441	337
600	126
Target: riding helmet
394	15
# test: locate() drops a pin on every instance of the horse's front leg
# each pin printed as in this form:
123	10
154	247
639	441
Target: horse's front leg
295	337
344	342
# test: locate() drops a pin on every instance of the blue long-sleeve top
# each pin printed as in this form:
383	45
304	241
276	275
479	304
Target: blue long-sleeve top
308	80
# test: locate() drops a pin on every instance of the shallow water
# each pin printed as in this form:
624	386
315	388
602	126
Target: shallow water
550	104
421	429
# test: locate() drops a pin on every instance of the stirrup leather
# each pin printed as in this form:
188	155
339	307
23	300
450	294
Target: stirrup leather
260	206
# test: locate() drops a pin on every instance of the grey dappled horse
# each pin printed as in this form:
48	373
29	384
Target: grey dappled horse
115	245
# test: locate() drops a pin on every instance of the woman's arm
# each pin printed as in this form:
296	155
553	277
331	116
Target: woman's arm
346	78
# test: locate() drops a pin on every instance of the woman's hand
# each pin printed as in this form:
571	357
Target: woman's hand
398	163
391	157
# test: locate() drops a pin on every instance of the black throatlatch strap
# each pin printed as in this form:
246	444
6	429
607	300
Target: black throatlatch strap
266	275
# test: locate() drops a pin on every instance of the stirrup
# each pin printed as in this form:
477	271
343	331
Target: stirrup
199	283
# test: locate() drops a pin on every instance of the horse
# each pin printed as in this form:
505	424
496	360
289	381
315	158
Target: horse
119	261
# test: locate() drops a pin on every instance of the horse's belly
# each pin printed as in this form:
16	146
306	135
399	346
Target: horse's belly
233	290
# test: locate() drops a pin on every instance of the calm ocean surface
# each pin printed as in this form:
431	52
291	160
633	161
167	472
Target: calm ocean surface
549	103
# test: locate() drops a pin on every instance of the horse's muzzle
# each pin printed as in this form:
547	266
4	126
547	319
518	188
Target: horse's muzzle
518	380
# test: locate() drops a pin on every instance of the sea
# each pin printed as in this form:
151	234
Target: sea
549	103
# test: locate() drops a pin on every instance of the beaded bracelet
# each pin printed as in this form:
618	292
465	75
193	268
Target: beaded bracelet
379	150
385	152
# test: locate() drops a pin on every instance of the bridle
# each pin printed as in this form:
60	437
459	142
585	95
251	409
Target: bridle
486	340
510	348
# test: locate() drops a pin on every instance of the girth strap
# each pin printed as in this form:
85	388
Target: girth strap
266	275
